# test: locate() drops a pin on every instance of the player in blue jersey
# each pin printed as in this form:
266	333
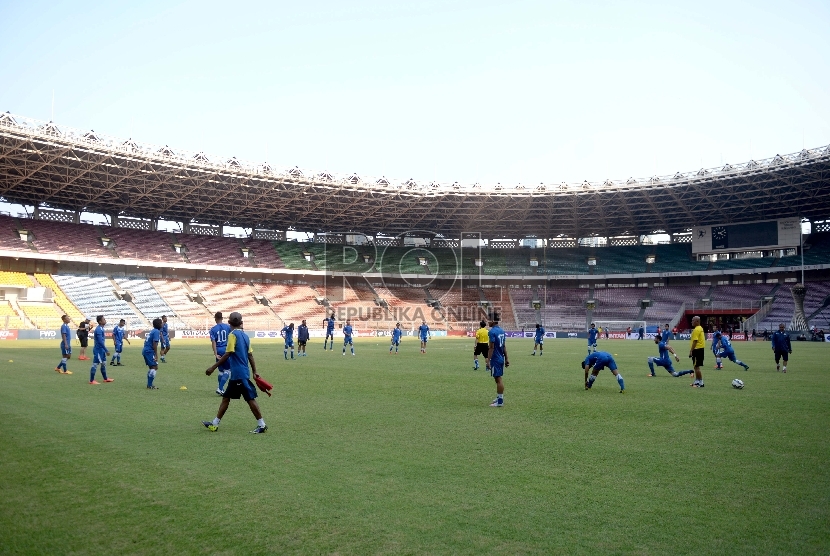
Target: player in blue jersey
497	360
119	334
781	346
151	352
396	338
723	348
219	341
328	322
599	360
665	335
347	337
287	333
302	339
165	338
240	356
423	334
664	360
539	339
592	339
99	351
66	347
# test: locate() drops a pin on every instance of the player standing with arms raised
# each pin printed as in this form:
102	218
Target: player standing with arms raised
328	322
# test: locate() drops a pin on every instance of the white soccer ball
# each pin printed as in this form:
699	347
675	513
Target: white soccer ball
738	384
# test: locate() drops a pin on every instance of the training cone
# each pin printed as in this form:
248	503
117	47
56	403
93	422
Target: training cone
11	361
183	388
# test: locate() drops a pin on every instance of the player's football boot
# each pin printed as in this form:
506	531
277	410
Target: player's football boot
210	426
109	380
67	372
94	382
259	430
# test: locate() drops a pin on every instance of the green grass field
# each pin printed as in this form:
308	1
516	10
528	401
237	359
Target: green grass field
380	454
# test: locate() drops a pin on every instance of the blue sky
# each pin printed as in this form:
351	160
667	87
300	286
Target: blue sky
478	91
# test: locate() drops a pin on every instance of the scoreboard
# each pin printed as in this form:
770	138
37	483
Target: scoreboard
768	234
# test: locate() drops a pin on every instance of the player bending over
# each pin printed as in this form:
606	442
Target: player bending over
723	348
599	360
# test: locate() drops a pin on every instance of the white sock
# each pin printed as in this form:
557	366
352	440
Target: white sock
216	421
261	422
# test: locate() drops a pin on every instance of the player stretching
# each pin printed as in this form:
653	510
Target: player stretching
165	338
599	360
219	342
539	339
423	333
66	347
347	337
725	349
99	351
592	339
151	353
482	344
497	360
119	334
288	333
664	360
396	338
328	322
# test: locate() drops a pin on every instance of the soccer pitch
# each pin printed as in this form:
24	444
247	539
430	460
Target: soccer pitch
402	454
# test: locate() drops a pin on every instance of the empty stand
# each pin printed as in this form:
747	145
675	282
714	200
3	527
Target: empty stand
618	303
94	295
60	298
65	238
9	236
214	250
147	300
43	316
9	318
143	244
293	303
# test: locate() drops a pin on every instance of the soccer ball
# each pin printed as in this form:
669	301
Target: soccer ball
737	384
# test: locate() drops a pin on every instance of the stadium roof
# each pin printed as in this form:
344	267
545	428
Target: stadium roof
42	163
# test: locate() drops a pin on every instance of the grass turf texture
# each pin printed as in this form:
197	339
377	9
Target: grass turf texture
401	454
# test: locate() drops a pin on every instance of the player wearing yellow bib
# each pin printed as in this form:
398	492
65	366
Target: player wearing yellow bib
696	349
482	344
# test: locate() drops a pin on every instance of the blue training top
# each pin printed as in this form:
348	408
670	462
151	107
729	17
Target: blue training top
100	338
239	346
592	335
496	336
599	359
219	334
540	333
396	334
65	330
153	336
288	333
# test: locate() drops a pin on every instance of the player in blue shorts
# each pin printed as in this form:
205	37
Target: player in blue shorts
497	360
239	354
423	334
592	339
664	360
723	348
288	333
99	351
539	339
599	360
219	341
151	353
165	338
347	337
665	335
119	334
396	338
66	347
328	322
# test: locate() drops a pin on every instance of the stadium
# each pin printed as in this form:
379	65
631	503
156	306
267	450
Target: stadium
725	243
440	278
